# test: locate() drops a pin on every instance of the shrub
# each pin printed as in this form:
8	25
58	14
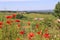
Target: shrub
20	16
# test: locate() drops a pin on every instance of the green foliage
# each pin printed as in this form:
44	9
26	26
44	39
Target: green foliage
58	24
20	16
57	10
48	22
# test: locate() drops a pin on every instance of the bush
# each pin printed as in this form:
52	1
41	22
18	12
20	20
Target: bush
20	16
57	10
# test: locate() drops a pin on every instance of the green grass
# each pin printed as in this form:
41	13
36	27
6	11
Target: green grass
11	32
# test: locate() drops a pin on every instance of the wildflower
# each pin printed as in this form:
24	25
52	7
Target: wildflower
14	15
18	39
30	35
17	20
0	26
46	35
37	25
18	25
39	32
9	17
21	32
8	22
29	23
1	23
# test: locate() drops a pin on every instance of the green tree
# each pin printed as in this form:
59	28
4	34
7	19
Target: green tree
57	10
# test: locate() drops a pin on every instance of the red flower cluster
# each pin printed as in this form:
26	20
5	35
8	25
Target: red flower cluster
9	22
9	17
14	15
30	35
39	32
1	23
17	20
0	26
21	32
46	35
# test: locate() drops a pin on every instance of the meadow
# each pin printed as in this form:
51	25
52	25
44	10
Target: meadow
29	27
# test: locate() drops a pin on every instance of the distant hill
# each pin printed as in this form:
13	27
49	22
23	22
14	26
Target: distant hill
32	11
41	11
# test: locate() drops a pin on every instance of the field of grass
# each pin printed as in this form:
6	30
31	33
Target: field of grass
27	28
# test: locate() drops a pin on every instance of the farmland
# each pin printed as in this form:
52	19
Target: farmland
27	28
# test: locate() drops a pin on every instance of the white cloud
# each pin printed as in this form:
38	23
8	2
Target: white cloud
17	0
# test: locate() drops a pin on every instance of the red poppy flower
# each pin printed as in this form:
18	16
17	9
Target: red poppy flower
14	15
8	22
37	25
0	26
29	23
18	39
39	32
8	17
46	35
1	23
21	32
17	20
18	25
30	35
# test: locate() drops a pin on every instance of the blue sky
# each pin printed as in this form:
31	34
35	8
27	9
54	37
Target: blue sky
22	5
